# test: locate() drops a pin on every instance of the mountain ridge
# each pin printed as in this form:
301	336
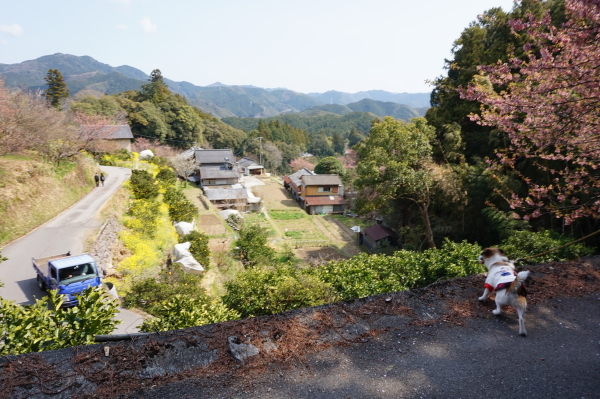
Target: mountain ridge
87	75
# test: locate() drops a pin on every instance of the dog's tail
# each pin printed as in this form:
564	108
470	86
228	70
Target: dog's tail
517	286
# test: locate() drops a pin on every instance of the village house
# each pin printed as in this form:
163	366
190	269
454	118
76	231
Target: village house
216	167
238	198
119	135
292	182
321	194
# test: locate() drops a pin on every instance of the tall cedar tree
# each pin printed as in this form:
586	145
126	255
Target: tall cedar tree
156	91
57	88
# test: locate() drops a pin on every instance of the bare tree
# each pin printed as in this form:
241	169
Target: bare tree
79	132
184	166
25	120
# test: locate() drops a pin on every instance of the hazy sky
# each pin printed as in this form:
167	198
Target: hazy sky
306	46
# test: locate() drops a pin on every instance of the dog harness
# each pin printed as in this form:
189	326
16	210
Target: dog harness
502	278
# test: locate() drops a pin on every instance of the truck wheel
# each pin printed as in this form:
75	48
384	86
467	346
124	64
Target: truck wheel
41	283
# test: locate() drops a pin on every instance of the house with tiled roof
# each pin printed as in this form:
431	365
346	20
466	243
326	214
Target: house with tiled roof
120	135
216	167
214	158
292	182
239	198
210	176
321	194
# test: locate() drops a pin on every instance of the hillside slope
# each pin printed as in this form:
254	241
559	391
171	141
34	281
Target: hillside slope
33	191
321	121
379	108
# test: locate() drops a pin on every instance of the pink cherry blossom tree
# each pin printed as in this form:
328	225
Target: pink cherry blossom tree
548	103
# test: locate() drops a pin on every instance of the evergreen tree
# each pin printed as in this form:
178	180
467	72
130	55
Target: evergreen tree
57	88
156	91
330	165
354	137
337	143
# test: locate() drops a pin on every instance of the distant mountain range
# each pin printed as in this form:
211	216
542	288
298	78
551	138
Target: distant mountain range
85	75
416	100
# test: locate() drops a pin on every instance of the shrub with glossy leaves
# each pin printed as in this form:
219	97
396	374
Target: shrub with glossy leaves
366	275
166	176
264	290
199	247
522	244
181	311
148	294
35	328
251	246
143	185
180	208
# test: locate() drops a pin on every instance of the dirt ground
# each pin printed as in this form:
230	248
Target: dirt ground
212	225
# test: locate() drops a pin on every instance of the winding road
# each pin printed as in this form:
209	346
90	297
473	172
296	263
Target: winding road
66	232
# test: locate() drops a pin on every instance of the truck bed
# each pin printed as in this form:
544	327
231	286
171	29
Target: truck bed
42	263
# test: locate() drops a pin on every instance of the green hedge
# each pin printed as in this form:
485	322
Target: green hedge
366	275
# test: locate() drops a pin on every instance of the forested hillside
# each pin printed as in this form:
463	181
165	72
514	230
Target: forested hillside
379	108
154	112
322	122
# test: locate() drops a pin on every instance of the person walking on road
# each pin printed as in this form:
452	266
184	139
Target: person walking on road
102	178
97	179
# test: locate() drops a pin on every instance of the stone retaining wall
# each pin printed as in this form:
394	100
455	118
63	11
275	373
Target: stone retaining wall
106	239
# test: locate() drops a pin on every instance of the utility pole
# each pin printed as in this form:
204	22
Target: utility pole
260	141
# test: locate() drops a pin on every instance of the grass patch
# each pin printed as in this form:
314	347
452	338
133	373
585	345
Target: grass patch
34	192
287	215
294	234
64	168
350	222
17	157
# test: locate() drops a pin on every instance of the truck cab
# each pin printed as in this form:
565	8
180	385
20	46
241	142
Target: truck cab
70	275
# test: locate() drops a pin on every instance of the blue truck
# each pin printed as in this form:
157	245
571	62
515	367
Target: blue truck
69	274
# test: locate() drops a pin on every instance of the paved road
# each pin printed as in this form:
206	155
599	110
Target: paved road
66	232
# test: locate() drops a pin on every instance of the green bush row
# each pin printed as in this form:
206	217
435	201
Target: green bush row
366	275
180	208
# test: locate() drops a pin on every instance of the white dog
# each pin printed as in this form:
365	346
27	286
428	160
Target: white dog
506	282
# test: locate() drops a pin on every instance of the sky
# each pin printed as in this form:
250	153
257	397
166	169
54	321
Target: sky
306	46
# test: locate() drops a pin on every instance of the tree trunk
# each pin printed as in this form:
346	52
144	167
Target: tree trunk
428	231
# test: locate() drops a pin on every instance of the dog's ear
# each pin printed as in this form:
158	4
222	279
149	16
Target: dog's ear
501	252
487	252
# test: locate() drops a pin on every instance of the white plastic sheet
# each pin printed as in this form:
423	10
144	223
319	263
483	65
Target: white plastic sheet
228	212
182	250
190	265
146	154
184	228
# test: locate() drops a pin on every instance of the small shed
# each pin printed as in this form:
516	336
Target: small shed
249	167
378	236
